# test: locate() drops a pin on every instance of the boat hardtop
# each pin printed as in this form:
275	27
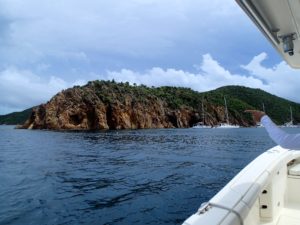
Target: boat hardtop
279	21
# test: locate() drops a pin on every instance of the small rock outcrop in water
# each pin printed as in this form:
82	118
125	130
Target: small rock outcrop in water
110	105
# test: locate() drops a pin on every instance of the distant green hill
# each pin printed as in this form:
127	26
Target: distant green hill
239	98
15	117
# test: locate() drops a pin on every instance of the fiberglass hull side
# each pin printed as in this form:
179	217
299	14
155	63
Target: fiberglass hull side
262	193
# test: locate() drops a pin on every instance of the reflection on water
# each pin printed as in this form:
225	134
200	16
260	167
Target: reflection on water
117	177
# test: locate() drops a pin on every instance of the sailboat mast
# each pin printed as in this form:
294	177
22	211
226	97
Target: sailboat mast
291	115
226	111
202	112
263	105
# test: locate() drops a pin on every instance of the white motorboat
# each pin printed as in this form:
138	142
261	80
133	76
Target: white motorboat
266	192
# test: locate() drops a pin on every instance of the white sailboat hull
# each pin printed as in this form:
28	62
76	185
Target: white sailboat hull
201	127
226	125
266	192
289	126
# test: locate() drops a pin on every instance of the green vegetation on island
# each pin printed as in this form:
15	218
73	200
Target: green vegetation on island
238	98
15	117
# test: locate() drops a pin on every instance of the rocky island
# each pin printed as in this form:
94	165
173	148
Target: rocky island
109	105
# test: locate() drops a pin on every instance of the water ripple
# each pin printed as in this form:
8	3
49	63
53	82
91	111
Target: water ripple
117	177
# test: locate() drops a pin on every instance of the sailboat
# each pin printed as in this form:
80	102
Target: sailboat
266	191
259	125
202	124
290	123
227	124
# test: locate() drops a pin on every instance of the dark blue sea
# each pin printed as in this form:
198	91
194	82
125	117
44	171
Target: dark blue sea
129	177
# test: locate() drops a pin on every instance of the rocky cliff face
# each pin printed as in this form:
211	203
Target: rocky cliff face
73	109
96	107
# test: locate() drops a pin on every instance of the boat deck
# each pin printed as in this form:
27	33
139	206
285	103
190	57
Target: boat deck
290	215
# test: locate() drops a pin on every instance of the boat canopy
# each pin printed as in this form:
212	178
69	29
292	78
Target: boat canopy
279	21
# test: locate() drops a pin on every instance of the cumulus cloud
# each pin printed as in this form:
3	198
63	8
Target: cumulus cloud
280	79
211	75
21	89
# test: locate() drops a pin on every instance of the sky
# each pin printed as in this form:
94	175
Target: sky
50	45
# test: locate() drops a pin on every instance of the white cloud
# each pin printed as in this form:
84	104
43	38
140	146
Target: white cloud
20	89
280	80
211	75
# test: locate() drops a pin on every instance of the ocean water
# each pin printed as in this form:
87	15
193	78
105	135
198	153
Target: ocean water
148	177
